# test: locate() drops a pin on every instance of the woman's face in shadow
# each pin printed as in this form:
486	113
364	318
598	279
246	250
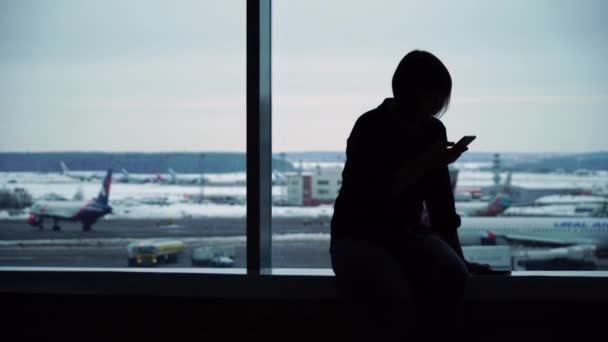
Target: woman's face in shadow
428	104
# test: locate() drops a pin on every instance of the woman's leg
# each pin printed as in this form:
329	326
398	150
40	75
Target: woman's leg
372	285
439	273
438	277
366	269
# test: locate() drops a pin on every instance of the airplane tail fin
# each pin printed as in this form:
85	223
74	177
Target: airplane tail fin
507	187
78	195
502	201
64	168
499	204
104	193
278	178
125	174
173	175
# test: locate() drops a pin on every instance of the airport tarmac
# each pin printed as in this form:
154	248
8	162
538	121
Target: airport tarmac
312	254
301	242
297	242
149	228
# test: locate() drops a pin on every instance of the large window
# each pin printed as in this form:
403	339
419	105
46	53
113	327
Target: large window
154	90
530	80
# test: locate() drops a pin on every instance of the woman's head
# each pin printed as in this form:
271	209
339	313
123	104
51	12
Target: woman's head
422	84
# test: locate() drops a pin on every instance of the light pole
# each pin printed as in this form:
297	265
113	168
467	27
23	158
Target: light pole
202	181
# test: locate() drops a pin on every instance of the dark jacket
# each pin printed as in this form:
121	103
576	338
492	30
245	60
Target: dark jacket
377	146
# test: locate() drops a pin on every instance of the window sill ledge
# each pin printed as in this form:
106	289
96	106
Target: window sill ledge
280	284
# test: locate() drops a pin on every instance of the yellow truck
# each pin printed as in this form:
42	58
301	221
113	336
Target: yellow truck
151	252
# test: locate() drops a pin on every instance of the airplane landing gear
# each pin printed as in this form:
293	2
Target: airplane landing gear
56	226
86	227
39	224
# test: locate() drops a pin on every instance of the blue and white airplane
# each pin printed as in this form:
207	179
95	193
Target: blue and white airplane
87	212
535	232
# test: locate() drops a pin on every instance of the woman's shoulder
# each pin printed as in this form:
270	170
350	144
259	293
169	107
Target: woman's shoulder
368	120
436	125
436	129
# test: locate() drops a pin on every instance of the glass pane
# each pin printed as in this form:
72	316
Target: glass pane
153	90
529	80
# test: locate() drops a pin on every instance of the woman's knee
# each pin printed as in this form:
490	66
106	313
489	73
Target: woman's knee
366	269
456	277
448	268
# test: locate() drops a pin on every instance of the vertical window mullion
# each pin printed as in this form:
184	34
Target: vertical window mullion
259	149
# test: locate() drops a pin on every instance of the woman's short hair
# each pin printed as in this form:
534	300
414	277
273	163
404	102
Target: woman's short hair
420	73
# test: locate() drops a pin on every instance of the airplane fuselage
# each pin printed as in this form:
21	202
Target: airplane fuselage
86	212
564	230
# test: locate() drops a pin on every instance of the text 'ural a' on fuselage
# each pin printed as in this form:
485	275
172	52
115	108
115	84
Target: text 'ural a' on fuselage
86	212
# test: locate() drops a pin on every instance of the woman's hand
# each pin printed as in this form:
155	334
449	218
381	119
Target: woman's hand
483	269
438	154
441	153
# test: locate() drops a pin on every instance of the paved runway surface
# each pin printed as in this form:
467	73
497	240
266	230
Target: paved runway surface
299	244
146	228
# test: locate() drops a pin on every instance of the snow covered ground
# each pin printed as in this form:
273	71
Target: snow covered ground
535	180
173	201
187	210
122	191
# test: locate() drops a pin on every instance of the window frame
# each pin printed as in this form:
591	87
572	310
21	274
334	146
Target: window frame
259	137
214	283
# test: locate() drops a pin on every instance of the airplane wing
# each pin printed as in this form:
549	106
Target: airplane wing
541	241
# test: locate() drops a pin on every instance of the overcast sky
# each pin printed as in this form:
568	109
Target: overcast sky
119	75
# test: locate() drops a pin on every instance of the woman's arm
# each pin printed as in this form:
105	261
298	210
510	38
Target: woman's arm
436	155
439	197
410	172
442	210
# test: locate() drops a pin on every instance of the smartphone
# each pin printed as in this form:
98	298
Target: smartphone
465	141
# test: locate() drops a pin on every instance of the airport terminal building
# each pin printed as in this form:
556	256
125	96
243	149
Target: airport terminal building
314	188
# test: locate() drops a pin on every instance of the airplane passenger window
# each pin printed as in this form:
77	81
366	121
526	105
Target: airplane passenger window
123	140
529	80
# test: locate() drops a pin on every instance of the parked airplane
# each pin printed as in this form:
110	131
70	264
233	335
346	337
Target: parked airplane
86	212
535	232
184	180
495	207
564	205
196	179
135	179
459	194
278	178
81	176
171	178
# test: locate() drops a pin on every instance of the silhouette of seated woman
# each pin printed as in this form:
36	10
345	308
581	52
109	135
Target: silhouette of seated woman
397	158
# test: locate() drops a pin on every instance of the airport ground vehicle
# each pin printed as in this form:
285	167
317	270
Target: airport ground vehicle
154	251
212	257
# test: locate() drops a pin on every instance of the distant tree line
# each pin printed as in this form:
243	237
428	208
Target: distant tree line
585	161
221	162
186	162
